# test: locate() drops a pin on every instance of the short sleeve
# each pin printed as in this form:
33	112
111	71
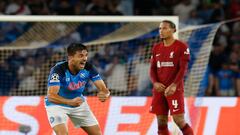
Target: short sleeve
94	75
55	77
185	53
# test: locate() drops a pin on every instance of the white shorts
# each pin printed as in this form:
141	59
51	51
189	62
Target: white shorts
81	116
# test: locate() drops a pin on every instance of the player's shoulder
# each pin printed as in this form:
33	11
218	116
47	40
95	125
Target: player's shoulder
60	67
181	44
159	44
88	66
183	47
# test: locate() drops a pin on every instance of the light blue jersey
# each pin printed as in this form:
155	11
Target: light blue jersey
71	86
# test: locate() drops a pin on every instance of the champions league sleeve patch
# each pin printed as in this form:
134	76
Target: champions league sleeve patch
54	78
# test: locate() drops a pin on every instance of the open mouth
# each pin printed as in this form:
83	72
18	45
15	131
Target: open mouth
82	64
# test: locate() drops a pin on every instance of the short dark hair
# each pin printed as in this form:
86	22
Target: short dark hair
172	25
74	47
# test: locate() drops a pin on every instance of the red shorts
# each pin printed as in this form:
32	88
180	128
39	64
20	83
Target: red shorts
162	104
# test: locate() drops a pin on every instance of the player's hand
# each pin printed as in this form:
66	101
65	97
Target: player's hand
159	87
75	102
103	96
170	90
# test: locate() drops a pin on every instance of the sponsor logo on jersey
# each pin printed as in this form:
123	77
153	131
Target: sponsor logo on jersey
187	51
54	78
76	86
165	64
175	110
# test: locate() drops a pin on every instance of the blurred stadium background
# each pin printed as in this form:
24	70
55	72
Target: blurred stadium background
121	52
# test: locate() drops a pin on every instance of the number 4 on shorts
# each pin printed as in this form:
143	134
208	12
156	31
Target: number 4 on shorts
175	103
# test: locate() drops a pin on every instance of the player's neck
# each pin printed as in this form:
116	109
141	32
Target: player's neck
72	70
168	41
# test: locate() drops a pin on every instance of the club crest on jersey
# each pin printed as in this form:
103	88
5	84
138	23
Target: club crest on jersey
54	78
67	79
171	54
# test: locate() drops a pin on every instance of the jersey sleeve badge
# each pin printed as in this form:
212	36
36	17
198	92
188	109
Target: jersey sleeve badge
187	51
54	78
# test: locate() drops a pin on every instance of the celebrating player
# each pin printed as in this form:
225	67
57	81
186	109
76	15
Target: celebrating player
168	65
66	84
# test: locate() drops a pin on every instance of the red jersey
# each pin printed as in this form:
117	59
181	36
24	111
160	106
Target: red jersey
169	63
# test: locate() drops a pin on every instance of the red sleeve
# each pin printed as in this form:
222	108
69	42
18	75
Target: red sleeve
184	59
153	68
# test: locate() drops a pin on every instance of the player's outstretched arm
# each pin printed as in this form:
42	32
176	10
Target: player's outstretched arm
53	96
103	93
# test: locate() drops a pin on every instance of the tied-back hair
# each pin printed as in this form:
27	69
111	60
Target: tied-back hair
74	47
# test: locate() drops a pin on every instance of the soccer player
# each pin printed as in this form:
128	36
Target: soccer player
66	84
168	65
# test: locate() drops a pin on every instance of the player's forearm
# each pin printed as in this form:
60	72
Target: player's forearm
153	73
57	99
101	86
181	72
105	90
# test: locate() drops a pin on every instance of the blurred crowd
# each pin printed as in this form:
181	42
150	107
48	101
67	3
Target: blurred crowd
125	71
66	7
223	73
192	12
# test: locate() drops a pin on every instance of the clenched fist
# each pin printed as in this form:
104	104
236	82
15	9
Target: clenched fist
77	101
103	96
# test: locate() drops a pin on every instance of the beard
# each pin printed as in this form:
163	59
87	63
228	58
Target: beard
76	68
